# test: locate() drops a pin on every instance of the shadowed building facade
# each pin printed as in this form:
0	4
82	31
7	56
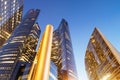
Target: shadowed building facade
10	17
62	53
102	60
17	54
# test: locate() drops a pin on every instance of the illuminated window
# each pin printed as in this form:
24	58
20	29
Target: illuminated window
5	2
7	62
5	7
0	18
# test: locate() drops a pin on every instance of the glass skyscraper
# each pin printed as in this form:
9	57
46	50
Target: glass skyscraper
53	71
10	17
17	54
102	60
62	53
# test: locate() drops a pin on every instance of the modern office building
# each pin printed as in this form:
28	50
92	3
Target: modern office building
62	53
10	17
17	54
102	60
53	72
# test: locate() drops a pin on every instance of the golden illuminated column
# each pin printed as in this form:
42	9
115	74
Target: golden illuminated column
42	68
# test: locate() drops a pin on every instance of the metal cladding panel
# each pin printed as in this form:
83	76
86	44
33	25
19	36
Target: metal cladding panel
42	67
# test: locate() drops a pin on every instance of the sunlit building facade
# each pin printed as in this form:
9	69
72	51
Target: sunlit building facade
40	69
62	53
10	17
102	60
17	54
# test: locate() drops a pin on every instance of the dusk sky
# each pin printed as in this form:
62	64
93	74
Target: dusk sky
82	16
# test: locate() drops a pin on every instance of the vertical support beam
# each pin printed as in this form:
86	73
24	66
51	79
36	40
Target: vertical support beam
30	76
42	68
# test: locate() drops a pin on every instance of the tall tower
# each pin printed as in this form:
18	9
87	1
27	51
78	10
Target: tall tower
10	17
62	53
18	52
102	60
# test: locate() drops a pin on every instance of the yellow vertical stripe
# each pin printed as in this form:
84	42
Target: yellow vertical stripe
42	68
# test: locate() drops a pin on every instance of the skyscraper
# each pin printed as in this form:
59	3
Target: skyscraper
102	60
10	17
18	52
53	72
62	53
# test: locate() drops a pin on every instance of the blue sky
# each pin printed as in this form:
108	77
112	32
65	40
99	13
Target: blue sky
82	17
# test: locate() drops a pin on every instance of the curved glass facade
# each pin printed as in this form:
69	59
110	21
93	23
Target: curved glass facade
101	59
18	52
10	17
62	53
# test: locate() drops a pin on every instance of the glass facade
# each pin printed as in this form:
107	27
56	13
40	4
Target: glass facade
10	17
102	60
17	54
53	72
62	53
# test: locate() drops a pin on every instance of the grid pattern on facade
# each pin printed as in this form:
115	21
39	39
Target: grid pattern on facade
62	53
10	17
99	59
14	51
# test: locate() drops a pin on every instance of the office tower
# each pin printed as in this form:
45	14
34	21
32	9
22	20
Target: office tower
62	53
17	54
102	60
10	17
41	66
53	71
